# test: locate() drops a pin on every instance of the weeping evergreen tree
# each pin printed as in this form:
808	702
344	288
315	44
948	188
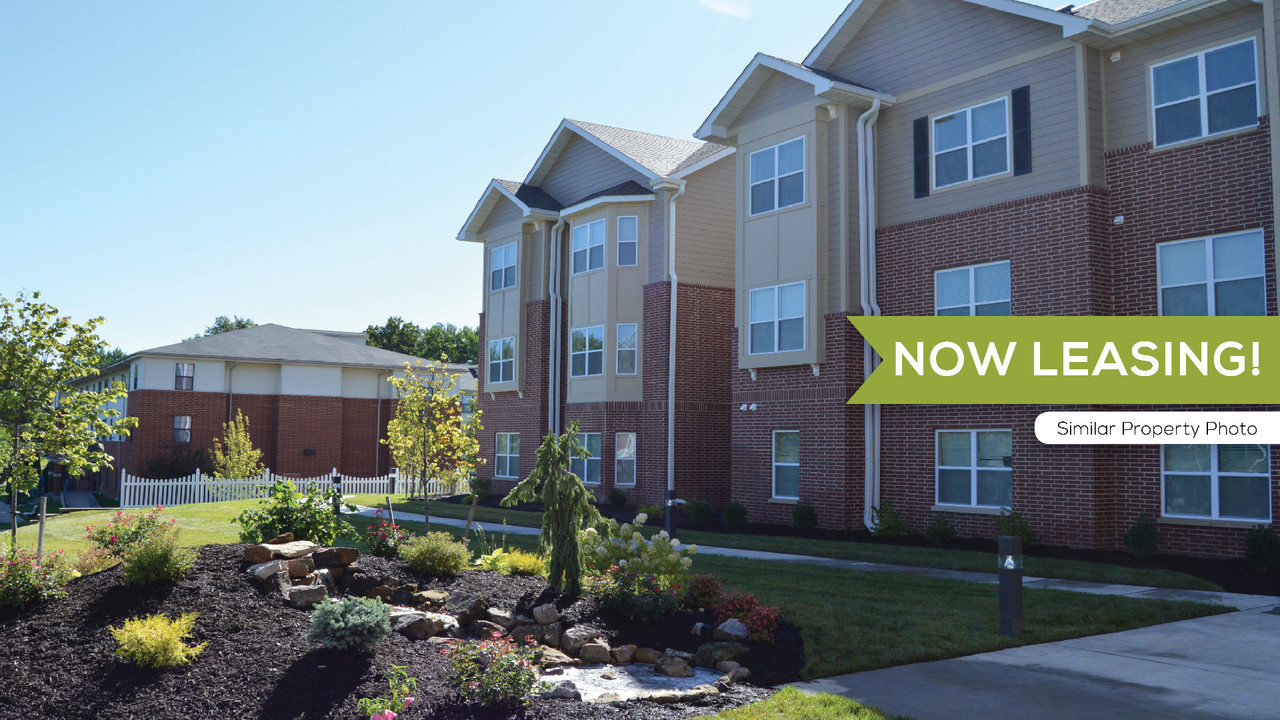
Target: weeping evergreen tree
566	507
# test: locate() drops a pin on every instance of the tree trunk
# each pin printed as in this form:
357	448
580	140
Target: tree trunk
426	503
471	514
13	515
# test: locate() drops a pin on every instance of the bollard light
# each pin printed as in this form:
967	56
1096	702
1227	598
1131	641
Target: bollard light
337	493
1009	560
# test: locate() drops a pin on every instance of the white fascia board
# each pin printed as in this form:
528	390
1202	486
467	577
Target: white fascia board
832	31
535	178
704	162
469	228
604	200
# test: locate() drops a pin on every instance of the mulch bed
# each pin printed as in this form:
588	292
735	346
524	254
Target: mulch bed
57	659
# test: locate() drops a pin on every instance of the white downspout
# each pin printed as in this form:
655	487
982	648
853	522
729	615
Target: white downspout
675	190
230	387
870	307
553	354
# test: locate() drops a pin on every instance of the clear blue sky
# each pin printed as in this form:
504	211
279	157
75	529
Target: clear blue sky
310	163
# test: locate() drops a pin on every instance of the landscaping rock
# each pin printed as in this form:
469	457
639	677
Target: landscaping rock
623	654
552	657
485	629
700	692
723	683
646	656
595	652
672	666
324	576
420	625
711	654
608	698
501	617
257	554
305	596
727	666
731	629
520	632
552	633
382	592
575	637
546	614
740	674
566	690
686	656
281	539
263	571
434	599
277	584
336	556
301	567
294	549
404	594
466	606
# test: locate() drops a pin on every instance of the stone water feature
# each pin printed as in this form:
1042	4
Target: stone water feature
607	683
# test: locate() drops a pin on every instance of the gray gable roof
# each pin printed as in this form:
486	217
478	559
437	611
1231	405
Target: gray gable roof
661	155
533	196
820	73
630	187
1118	11
279	344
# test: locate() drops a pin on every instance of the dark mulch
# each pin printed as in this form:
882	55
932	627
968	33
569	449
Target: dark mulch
57	659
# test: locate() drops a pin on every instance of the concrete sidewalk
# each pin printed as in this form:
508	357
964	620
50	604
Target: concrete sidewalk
1222	667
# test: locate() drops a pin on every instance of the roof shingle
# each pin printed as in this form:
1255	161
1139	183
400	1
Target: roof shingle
531	195
661	155
1118	11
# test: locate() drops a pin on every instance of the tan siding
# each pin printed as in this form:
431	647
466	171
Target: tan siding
504	309
1096	118
831	186
505	213
1055	157
582	169
778	92
534	271
704	226
1127	96
911	43
658	238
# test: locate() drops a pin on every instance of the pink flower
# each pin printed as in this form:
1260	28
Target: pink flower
113	538
408	701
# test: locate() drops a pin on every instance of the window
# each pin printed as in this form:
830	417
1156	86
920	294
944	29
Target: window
506	455
182	428
1206	93
588	468
777	176
1220	275
627	348
975	467
135	375
468	405
628	239
973	290
586	351
184	376
786	464
624	463
970	144
1218	481
777	318
502	267
588	247
502	360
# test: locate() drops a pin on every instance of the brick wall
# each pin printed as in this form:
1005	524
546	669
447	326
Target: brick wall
508	412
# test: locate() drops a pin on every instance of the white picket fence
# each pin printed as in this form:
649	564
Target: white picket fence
137	492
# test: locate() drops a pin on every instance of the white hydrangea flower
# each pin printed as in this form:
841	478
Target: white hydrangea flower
642	519
637	537
590	533
675	544
693	549
686	562
663	534
601	551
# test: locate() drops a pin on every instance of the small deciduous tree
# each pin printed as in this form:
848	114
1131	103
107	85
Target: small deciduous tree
429	437
567	507
234	455
41	351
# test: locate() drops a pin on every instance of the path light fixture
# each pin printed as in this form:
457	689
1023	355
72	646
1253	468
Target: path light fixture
1009	558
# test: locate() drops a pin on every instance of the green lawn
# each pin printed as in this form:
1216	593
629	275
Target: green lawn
791	704
863	552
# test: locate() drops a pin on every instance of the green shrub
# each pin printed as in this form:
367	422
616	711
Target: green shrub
653	512
520	562
886	522
699	511
493	672
122	531
1013	523
617	498
939	531
436	553
1262	548
734	515
24	580
385	538
402	687
284	510
157	558
661	557
95	559
1142	538
635	595
352	623
761	620
804	517
156	641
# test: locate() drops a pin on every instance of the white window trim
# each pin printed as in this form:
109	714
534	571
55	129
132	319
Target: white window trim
618	349
508	455
586	352
973	290
1203	96
187	426
604	240
586	462
488	375
514	266
1210	280
773	466
778	318
968	145
973	468
776	178
636	242
1214	475
633	460
178	370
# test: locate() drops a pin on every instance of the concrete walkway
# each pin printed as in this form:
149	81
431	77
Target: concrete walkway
79	499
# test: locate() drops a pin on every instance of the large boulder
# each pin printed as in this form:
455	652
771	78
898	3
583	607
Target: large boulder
404	595
731	629
336	556
257	554
294	549
485	629
546	614
300	567
623	654
305	596
711	654
645	656
422	625
566	690
433	599
527	633
595	652
672	666
502	617
262	571
550	657
466	606
575	637
552	633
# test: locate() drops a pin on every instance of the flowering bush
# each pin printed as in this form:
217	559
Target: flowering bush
703	592
124	531
158	557
95	559
386	708
661	558
636	595
25	580
385	538
495	671
761	620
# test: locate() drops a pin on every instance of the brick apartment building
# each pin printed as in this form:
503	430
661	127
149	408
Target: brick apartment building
315	400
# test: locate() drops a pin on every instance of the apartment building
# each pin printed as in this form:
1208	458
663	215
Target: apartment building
991	157
608	299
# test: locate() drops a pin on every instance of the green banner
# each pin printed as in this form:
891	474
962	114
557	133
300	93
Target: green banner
1072	360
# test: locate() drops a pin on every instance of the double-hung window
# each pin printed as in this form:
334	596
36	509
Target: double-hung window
786	464
506	455
777	318
184	376
1229	482
588	247
1221	275
971	143
627	348
502	360
975	468
624	463
777	176
1204	94
587	468
973	290
182	428
628	240
502	267
135	375
586	351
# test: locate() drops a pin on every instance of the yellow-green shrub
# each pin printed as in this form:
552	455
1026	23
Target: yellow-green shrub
156	641
520	562
436	553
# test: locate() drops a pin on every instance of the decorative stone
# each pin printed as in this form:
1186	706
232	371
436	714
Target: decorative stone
595	652
305	596
575	637
546	614
466	606
265	570
501	617
711	654
359	583
404	595
723	682
257	554
294	549
420	626
731	629
623	654
672	666
608	697
665	697
700	692
727	666
740	674
281	539
646	656
430	598
336	556
485	629
277	584
324	576
301	567
552	633
566	690
552	657
686	656
382	592
527	633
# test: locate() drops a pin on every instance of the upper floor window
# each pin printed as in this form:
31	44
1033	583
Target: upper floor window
624	462
971	143
587	469
786	464
502	360
1217	481
184	376
627	348
135	375
502	267
588	247
506	455
1204	94
628	240
777	317
586	351
973	290
1221	275
975	467
182	428
777	176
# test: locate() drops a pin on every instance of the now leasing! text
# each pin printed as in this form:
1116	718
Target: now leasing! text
1143	358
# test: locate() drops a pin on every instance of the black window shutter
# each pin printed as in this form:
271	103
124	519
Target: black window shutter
1022	130
921	135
